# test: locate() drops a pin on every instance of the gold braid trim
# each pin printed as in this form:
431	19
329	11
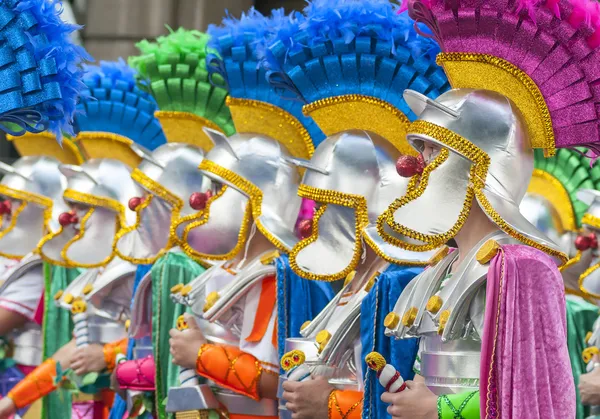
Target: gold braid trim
156	189
359	203
477	176
250	190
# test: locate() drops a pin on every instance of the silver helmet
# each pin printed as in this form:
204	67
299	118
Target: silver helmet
253	174
589	280
351	78
33	188
484	157
509	97
114	115
168	175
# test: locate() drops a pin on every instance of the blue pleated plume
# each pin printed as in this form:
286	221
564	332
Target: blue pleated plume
40	72
340	47
113	103
236	61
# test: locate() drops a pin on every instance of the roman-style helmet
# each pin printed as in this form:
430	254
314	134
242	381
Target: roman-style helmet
349	62
524	77
114	115
589	281
253	173
40	81
552	205
173	70
32	191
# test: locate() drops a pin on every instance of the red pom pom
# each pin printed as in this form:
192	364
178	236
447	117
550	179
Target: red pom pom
134	203
593	241
198	200
305	228
6	207
408	166
583	243
66	218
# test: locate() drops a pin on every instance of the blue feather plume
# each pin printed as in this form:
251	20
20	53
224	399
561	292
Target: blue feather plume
235	60
114	103
339	47
39	66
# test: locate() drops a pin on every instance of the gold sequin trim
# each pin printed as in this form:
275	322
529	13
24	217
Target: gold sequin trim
547	186
33	144
186	128
26	198
584	275
477	176
480	71
78	236
264	118
46	239
252	191
156	189
342	113
572	261
201	218
591	220
106	145
359	203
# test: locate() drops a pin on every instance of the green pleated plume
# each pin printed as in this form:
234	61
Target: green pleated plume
173	70
573	170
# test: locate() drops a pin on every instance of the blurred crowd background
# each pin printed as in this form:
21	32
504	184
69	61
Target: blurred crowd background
112	27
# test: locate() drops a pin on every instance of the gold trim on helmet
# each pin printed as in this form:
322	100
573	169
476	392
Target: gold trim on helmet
477	176
552	190
253	116
106	145
186	127
346	112
155	189
45	144
485	71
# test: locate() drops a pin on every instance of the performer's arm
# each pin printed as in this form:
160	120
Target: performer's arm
10	320
111	350
239	371
40	381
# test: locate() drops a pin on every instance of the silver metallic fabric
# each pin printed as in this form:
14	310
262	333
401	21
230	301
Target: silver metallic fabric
38	175
492	123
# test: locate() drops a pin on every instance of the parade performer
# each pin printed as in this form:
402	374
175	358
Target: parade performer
116	113
499	299
32	189
350	62
248	221
173	70
589	282
41	83
551	205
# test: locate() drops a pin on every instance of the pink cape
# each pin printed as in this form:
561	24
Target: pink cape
525	367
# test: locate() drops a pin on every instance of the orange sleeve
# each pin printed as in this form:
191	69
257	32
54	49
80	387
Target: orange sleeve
111	350
35	385
230	368
345	404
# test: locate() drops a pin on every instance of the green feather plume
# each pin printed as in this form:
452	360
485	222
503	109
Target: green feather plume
173	70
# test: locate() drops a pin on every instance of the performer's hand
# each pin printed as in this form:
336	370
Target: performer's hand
7	408
589	388
114	385
185	344
415	402
307	399
88	359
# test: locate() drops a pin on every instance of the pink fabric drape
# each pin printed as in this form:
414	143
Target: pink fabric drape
525	367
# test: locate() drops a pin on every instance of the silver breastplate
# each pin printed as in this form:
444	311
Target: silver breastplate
449	319
450	367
